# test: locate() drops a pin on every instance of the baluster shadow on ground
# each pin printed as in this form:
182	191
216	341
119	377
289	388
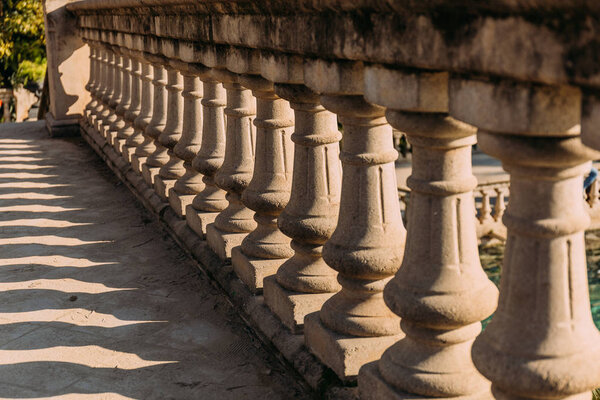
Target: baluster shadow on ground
95	299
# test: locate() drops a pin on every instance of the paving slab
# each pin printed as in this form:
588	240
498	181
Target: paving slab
96	301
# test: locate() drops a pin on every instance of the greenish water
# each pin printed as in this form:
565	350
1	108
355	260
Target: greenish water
491	260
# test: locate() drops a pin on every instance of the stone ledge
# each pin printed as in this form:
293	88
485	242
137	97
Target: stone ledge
559	50
289	348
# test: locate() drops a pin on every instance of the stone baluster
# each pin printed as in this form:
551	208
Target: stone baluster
500	205
207	204
235	222
92	86
139	146
103	77
173	169
485	212
190	184
125	103
542	342
157	157
116	98
134	108
265	248
441	291
111	74
355	326
304	282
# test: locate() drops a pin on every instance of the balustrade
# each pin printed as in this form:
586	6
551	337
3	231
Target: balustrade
138	147
211	200
131	105
124	102
440	292
264	249
115	98
544	281
190	184
233	223
173	168
355	326
154	152
112	76
235	124
304	282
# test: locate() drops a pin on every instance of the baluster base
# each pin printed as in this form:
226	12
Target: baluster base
127	153
180	202
221	242
137	162
372	386
111	137
291	307
150	174
199	220
252	271
343	354
162	186
120	146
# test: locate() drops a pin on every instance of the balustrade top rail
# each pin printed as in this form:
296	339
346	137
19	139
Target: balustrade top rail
536	41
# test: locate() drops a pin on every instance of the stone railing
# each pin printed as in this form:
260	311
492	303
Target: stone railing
228	111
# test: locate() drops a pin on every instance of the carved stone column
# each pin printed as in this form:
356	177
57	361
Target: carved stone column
102	109
139	146
541	342
135	106
235	222
190	184
441	291
119	122
157	157
111	73
131	106
112	95
207	204
92	86
116	97
173	168
304	282
355	326
104	78
266	247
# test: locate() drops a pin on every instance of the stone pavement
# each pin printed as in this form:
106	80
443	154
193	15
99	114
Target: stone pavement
97	302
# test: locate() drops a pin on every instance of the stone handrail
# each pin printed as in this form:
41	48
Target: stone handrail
229	111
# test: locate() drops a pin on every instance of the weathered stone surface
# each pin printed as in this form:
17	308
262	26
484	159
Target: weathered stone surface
367	245
265	248
344	354
440	292
557	355
311	214
186	149
235	222
68	69
155	152
467	36
211	200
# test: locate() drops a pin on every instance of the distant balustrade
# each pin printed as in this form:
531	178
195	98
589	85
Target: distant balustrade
229	115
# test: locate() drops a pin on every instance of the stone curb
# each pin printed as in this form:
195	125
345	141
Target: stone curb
290	348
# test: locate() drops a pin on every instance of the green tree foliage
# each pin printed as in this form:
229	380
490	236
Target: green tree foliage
22	42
